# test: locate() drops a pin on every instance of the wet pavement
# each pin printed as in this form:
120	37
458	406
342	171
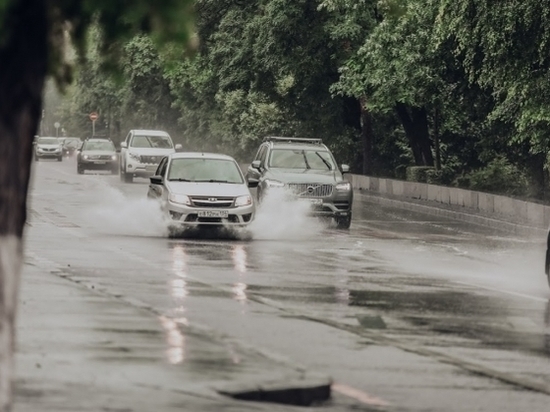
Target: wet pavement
406	311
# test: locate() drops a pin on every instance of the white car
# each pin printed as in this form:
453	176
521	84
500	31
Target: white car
141	152
48	148
202	189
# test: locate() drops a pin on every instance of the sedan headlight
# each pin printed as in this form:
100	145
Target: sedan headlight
274	183
85	157
134	156
243	201
113	157
181	199
343	186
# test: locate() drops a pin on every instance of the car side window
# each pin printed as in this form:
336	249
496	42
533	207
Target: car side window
128	138
262	155
161	170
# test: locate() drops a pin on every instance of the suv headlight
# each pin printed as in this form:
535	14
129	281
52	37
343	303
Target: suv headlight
343	186
274	183
243	201
85	157
181	199
134	156
113	157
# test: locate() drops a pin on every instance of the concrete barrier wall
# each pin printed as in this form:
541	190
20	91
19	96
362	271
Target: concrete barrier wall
514	210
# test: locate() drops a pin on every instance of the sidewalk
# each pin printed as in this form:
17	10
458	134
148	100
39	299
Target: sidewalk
81	350
454	212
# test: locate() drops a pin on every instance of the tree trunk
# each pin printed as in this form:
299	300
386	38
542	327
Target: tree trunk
536	170
366	137
416	128
23	53
436	140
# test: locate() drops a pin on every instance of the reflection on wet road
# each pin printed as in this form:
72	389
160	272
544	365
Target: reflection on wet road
431	282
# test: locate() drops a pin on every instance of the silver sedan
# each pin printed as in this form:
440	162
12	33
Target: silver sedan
198	189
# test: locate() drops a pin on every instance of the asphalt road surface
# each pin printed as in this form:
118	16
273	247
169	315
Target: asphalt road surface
404	311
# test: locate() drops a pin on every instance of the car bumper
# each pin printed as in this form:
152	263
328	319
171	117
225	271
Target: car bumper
140	169
338	204
188	216
98	164
53	155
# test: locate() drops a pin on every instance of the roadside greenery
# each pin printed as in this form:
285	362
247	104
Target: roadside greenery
460	87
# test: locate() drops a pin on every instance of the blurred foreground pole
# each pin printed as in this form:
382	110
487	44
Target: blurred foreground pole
23	68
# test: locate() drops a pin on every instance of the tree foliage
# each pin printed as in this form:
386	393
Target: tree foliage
451	83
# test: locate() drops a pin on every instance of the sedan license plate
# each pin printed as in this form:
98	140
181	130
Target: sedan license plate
96	162
213	213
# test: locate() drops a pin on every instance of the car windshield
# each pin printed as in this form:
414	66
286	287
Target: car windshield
99	146
204	170
301	159
158	142
47	140
72	142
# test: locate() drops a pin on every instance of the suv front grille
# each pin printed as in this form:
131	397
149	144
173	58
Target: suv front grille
151	159
213	201
311	189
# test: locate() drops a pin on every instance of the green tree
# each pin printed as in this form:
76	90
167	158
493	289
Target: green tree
33	35
505	48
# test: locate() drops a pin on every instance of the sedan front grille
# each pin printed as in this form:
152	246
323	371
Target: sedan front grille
100	157
311	189
216	202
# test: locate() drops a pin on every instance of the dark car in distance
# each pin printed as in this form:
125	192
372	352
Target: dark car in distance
70	145
97	154
306	170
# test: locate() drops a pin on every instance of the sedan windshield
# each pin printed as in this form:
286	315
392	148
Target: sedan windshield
107	146
301	159
205	170
158	142
47	140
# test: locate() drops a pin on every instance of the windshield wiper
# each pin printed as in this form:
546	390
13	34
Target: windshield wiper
305	160
213	181
178	179
324	161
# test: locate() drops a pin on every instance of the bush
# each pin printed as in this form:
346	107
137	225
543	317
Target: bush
419	173
499	176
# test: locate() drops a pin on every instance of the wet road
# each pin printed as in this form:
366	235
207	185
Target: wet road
405	311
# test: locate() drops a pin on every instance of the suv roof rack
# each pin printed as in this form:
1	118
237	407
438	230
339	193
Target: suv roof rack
292	140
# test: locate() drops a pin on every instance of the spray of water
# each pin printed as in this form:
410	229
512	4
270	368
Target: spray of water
119	214
283	217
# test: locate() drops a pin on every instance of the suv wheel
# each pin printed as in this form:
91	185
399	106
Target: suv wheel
60	158
127	177
343	222
114	170
79	169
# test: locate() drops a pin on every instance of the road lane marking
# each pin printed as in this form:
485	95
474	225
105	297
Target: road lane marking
507	292
358	395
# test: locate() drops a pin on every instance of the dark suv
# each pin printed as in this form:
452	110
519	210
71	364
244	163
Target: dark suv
97	154
307	170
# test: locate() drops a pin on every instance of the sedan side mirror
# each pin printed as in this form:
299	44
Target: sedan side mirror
179	147
156	180
345	169
124	145
252	182
255	164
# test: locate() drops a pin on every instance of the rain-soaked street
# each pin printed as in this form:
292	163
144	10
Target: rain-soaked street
405	312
